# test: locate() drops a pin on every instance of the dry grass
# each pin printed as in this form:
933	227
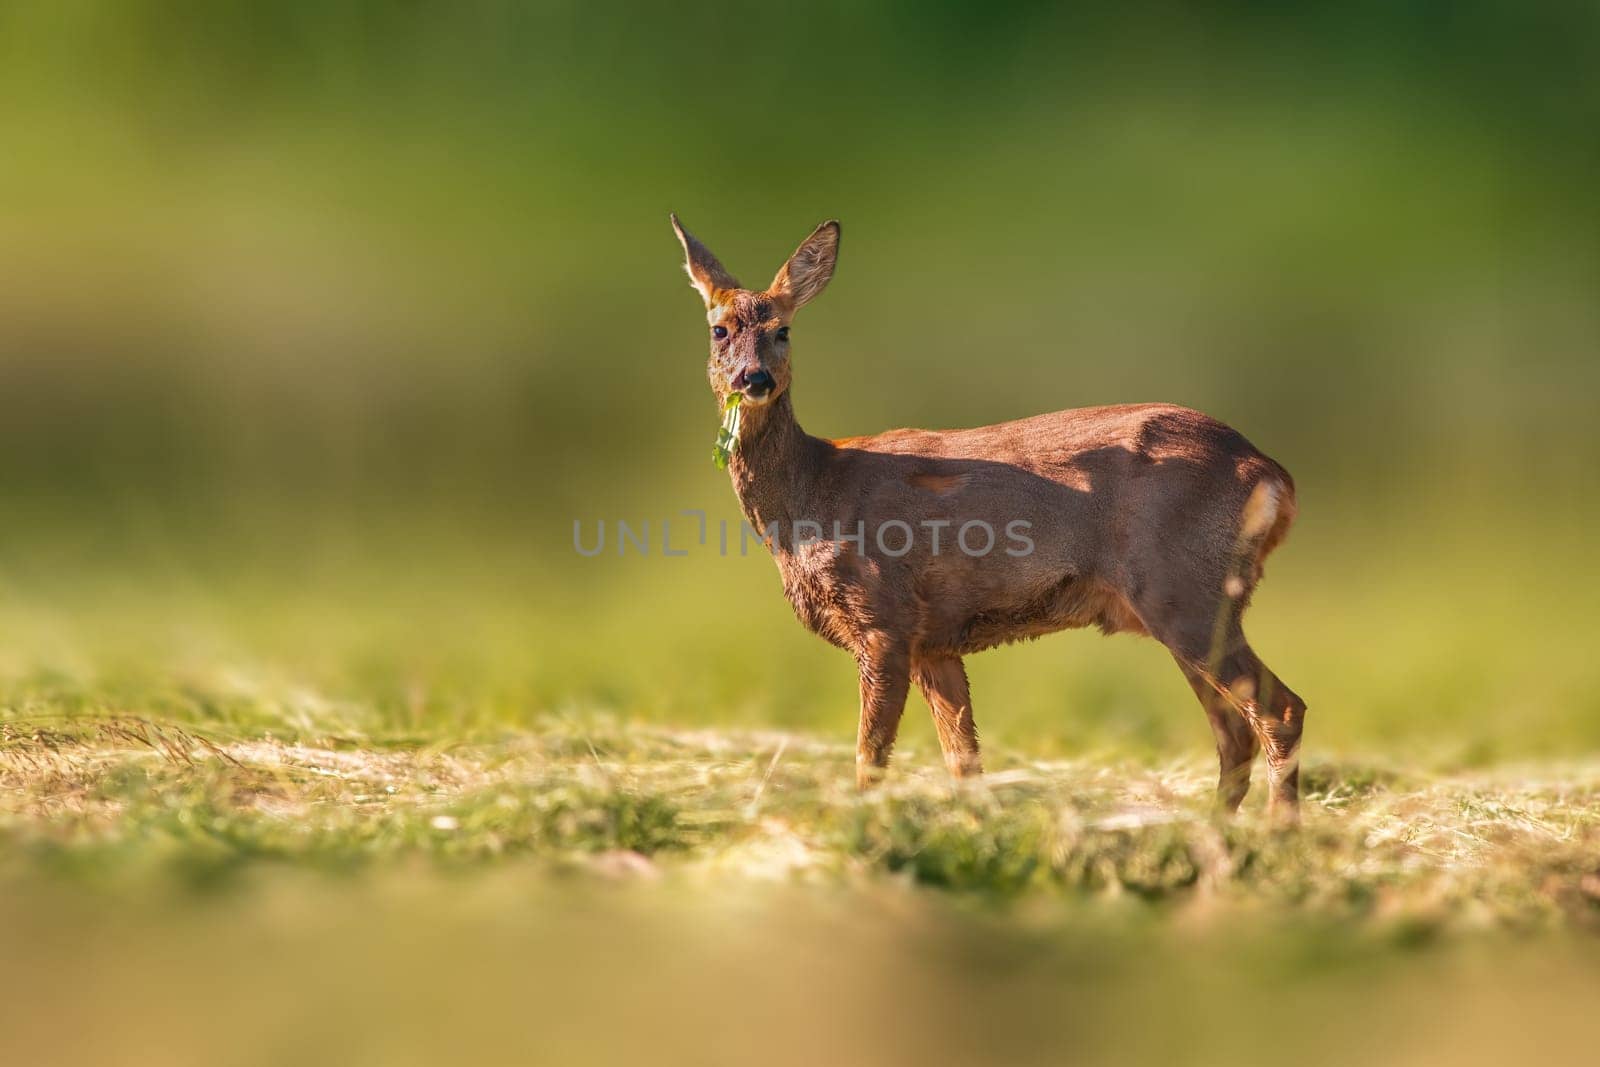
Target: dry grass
123	797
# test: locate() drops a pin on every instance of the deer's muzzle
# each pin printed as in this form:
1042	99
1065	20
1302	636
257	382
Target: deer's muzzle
755	384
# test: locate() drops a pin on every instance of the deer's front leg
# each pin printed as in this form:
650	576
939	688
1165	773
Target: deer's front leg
885	664
943	682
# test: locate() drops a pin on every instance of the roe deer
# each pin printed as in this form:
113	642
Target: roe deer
1143	518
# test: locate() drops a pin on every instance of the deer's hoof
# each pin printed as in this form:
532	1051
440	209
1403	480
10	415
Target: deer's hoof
1284	815
869	776
965	767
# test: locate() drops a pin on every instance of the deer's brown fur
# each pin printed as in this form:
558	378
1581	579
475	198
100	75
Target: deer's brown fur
1144	518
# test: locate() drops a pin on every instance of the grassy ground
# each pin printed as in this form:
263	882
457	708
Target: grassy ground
110	799
727	897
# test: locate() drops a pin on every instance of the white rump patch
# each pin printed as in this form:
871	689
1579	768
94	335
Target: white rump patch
1261	510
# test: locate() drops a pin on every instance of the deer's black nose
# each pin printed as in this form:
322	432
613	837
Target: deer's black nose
757	383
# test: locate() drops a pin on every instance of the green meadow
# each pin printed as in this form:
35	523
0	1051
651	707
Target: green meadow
323	325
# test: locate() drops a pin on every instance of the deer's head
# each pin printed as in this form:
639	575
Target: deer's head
749	328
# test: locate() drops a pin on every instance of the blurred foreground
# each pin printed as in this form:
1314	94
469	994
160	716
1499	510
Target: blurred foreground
419	969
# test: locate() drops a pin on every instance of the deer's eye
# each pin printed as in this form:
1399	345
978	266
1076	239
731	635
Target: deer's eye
719	332
783	333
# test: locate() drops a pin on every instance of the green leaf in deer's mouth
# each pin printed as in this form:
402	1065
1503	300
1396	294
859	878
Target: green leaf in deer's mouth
728	436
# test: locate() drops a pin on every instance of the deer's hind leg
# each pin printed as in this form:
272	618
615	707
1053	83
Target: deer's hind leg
1237	743
1205	635
943	681
1235	676
1237	690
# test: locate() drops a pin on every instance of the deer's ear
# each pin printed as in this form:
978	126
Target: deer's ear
705	273
809	269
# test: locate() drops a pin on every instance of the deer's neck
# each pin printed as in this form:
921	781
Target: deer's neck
775	469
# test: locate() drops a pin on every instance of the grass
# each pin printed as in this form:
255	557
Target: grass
594	891
112	799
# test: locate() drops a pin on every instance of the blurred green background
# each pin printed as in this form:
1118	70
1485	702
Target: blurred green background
320	324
